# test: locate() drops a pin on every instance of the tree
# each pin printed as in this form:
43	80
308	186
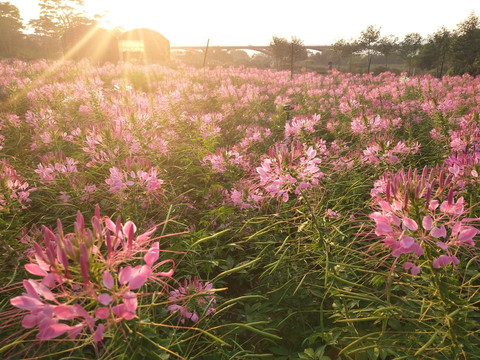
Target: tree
56	16
435	53
466	47
344	50
284	51
387	46
11	25
409	49
280	49
368	41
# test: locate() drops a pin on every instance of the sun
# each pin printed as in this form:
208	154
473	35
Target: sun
168	18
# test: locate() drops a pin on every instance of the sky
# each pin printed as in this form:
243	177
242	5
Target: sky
255	22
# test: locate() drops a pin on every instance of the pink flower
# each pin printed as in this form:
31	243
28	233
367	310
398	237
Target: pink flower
191	299
382	222
439	232
414	269
135	277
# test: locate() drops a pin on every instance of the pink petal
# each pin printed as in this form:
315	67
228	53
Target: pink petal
98	336
75	330
194	317
410	224
40	289
34	269
442	245
129	229
102	313
31	290
165	274
152	255
130	301
382	222
107	280
140	274
124	275
427	223
53	330
121	312
146	234
407	242
104	299
64	312
415	270
439	232
454	259
417	249
443	260
433	205
29	321
467	235
27	303
110	225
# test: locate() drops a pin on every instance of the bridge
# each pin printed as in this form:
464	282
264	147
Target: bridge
262	49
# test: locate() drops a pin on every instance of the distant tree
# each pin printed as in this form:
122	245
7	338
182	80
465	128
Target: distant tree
344	49
260	60
409	49
11	25
436	52
240	57
56	16
466	47
282	51
368	42
387	46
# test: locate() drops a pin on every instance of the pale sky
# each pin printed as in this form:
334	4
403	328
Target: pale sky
254	22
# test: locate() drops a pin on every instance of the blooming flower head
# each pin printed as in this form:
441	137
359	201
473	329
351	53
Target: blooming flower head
87	282
416	211
289	170
192	300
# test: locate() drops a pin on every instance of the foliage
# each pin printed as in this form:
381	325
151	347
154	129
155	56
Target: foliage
368	42
342	226
409	48
436	52
386	46
10	27
284	51
466	47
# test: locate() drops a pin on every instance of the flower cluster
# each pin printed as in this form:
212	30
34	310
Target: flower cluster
120	180
88	280
388	152
14	190
301	124
418	211
289	170
374	124
192	300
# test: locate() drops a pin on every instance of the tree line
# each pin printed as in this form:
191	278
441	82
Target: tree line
41	37
452	52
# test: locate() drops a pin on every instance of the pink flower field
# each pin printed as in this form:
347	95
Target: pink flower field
233	213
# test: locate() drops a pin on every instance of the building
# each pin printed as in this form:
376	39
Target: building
144	45
99	45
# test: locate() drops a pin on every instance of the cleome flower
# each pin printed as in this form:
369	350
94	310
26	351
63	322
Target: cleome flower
87	281
289	170
418	211
192	300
